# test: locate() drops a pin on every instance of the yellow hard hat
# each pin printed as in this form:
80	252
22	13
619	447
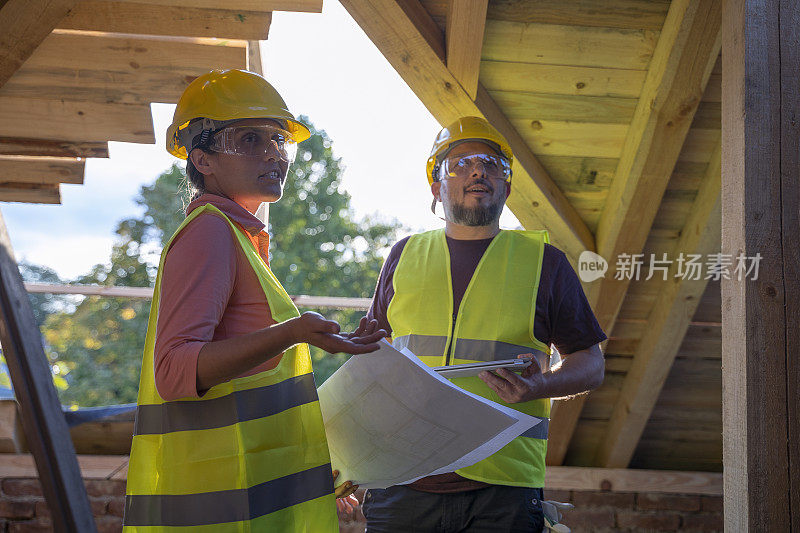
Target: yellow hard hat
223	96
462	130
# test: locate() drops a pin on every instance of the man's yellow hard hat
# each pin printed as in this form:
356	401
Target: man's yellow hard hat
222	96
462	130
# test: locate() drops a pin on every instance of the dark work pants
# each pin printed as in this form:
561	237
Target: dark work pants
498	508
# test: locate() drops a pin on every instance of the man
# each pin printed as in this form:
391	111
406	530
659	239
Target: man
473	292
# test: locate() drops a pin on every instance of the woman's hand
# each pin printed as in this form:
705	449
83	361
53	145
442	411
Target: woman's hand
315	329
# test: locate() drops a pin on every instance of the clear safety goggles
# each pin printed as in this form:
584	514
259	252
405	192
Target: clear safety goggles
463	166
255	141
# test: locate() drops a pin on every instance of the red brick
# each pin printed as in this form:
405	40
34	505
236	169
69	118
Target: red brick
621	500
105	487
16	509
588	518
22	487
558	495
668	501
703	522
31	526
99	506
653	521
108	524
116	507
42	509
711	503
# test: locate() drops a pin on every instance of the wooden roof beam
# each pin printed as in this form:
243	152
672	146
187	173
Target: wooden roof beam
676	79
24	24
53	170
413	44
150	19
42	147
672	312
307	6
113	68
465	23
30	193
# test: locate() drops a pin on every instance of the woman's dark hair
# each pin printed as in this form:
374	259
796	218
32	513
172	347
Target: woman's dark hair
195	181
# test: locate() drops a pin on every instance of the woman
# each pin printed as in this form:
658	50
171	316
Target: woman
229	435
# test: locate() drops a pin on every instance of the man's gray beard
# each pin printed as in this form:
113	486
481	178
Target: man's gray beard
474	216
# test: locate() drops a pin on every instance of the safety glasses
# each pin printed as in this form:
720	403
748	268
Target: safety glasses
463	166
255	141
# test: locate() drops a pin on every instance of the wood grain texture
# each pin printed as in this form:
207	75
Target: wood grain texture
757	363
674	307
682	62
185	21
75	121
24	24
30	193
412	43
42	147
307	6
464	34
104	69
53	170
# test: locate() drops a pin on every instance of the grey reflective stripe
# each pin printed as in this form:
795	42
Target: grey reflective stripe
226	410
422	345
480	350
539	431
228	505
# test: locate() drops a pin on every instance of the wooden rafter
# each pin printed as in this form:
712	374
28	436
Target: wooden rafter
24	24
189	21
30	193
41	147
413	44
668	322
101	68
676	79
308	6
76	121
465	23
30	169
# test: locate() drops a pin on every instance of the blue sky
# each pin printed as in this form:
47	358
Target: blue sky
325	67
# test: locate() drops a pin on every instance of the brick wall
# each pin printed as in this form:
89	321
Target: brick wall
23	509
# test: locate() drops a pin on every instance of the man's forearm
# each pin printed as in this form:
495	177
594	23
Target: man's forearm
578	372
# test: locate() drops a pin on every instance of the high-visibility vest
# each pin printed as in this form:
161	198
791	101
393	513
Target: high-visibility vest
494	322
250	455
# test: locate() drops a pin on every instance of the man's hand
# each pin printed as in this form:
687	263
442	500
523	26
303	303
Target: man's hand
314	329
515	388
345	489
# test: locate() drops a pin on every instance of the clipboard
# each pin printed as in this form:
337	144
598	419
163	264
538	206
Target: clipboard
473	369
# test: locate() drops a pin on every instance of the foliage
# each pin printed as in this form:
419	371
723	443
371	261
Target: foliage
317	247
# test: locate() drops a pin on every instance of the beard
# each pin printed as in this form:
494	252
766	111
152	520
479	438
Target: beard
474	216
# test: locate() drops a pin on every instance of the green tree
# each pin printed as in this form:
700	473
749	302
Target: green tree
317	248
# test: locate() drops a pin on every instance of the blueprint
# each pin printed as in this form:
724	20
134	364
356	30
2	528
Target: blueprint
391	420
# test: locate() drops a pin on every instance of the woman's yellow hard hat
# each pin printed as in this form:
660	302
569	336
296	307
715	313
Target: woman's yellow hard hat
223	96
462	130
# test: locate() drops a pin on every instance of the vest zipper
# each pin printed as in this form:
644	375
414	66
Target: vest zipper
452	341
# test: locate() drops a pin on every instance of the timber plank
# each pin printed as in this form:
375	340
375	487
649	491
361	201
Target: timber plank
24	24
111	68
581	109
42	147
580	174
76	121
630	14
554	137
30	193
561	79
185	21
307	6
568	45
54	170
465	23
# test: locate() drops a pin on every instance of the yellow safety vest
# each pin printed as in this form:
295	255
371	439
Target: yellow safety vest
495	321
250	455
